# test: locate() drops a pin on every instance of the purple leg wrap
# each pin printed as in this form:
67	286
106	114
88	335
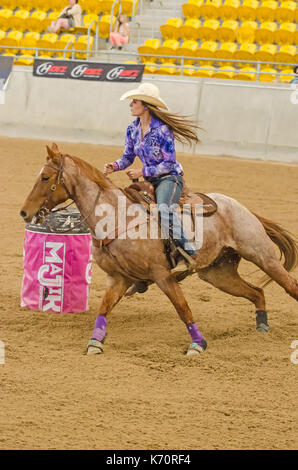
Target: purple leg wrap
195	333
100	328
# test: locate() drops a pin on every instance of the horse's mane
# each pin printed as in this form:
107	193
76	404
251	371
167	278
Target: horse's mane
91	172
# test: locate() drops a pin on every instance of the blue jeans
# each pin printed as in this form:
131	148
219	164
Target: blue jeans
168	190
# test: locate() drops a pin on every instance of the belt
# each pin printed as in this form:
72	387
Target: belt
153	180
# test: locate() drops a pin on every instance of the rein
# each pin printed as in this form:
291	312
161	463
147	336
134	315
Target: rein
44	211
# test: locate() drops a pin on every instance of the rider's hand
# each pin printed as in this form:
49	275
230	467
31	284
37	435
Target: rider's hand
108	168
134	173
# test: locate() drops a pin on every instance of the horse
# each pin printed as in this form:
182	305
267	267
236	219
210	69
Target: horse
231	233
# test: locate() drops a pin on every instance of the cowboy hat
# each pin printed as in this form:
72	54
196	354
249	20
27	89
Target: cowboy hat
148	93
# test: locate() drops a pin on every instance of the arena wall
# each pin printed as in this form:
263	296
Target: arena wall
238	118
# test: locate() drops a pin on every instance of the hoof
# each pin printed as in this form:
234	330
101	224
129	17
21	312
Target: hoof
194	349
263	328
94	347
262	321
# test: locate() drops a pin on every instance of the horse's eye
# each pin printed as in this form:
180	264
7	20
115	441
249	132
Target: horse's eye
45	178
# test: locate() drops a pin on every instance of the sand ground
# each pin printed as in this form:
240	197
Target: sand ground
143	393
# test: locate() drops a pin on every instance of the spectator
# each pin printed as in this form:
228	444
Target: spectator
70	17
295	79
120	35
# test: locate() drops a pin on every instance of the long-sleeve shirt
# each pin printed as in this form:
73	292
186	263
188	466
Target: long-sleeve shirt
75	11
156	150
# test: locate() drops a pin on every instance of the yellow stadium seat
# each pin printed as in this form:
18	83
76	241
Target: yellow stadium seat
248	10
265	33
267	11
210	9
44	56
18	21
24	60
150	67
285	34
208	31
106	6
286	12
150	46
5	16
192	9
29	40
52	16
286	78
207	49
286	54
2	35
82	45
227	71
190	29
172	28
127	7
266	53
205	71
62	42
246	32
88	19
188	71
104	26
37	21
229	10
269	76
168	68
246	73
48	41
188	49
246	52
168	48
226	51
12	38
228	30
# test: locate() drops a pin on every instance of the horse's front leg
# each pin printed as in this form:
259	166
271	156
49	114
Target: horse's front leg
116	286
172	289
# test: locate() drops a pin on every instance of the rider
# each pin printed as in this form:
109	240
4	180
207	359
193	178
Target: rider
151	137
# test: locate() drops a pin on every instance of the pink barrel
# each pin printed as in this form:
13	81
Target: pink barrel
57	266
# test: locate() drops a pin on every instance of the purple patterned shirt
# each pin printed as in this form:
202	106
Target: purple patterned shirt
156	150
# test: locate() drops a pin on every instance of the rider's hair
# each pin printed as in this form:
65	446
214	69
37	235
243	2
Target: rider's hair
185	130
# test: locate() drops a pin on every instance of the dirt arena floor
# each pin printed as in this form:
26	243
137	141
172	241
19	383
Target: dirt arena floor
143	393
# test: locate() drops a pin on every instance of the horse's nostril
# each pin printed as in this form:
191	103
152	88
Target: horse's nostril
23	214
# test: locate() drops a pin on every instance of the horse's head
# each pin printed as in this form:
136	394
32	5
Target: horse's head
49	190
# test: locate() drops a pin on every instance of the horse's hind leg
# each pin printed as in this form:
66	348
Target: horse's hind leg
225	277
173	291
116	286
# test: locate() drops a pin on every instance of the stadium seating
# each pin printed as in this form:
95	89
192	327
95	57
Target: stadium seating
168	48
286	12
48	41
12	38
190	29
192	9
286	78
206	50
266	52
18	20
210	9
246	52
269	76
246	32
205	71
267	11
5	16
208	31
37	21
104	25
172	28
227	72
247	11
150	67
286	54
229	10
265	33
168	68
62	43
246	73
24	60
30	39
188	49
226	51
228	31
150	46
285	34
127	7
82	44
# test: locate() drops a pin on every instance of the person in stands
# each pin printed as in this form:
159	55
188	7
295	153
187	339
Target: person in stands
120	35
295	79
70	17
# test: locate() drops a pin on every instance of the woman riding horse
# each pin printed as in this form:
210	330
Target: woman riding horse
152	137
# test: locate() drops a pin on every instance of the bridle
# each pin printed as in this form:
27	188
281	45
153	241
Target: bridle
44	211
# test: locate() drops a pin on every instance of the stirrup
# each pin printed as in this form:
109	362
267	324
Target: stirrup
189	260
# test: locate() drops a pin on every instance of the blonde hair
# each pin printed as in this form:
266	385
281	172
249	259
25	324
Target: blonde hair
185	130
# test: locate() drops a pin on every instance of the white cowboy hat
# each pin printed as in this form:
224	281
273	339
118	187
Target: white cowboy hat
148	93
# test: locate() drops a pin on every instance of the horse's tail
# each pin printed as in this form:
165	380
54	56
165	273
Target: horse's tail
286	243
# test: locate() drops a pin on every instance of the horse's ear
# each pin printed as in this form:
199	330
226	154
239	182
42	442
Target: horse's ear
55	148
55	157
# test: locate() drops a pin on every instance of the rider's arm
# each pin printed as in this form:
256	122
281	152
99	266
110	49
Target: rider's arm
128	155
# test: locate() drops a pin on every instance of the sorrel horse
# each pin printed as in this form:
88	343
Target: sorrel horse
232	233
